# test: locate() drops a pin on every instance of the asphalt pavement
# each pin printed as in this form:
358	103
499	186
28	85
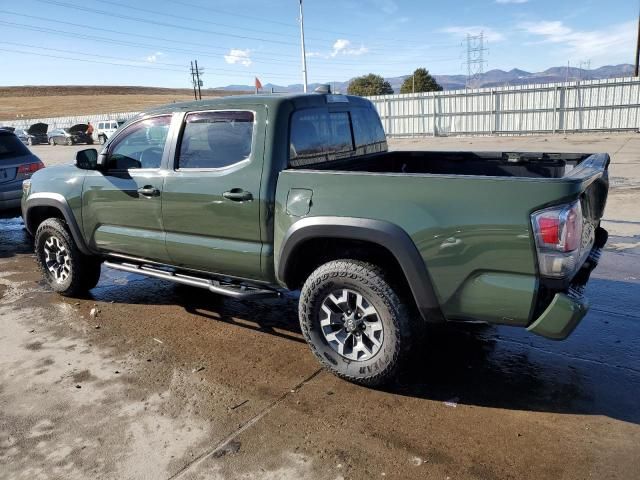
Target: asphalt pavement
146	379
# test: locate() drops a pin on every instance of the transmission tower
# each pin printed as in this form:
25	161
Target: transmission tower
475	58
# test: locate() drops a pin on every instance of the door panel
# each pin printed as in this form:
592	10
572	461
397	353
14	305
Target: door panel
211	200
121	208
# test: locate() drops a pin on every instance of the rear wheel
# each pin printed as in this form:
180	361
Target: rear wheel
102	139
69	141
67	270
30	141
354	321
52	141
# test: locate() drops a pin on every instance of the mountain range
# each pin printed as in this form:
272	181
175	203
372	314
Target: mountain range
492	78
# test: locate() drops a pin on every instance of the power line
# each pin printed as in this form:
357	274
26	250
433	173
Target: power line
155	22
257	57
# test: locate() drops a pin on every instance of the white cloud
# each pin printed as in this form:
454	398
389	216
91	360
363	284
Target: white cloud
610	44
238	56
387	6
340	47
489	34
153	58
503	2
344	47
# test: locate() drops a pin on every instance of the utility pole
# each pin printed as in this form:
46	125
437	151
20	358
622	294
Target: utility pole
196	73
304	53
638	48
193	81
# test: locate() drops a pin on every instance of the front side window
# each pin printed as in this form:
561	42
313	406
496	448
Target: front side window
141	145
319	135
215	139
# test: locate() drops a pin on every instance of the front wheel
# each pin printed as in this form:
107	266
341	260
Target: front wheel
69	142
354	321
102	139
67	270
52	142
30	142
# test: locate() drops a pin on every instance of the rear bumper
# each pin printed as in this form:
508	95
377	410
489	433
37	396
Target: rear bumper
10	200
567	309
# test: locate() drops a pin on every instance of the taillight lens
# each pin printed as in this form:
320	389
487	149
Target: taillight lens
558	236
30	168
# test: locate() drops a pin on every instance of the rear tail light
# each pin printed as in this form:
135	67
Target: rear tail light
558	236
30	168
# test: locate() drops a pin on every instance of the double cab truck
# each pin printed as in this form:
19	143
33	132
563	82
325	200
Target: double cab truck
250	196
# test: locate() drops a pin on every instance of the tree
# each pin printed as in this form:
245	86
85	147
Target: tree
368	85
424	82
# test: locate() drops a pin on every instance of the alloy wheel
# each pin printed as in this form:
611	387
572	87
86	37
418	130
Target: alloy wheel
351	325
57	259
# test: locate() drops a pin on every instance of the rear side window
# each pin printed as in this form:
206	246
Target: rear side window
11	146
318	135
215	139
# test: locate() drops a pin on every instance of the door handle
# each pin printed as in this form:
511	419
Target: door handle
149	191
238	195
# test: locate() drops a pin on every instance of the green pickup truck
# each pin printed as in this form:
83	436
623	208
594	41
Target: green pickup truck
250	196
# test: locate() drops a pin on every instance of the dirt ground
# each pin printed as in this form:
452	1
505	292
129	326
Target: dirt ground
44	102
168	382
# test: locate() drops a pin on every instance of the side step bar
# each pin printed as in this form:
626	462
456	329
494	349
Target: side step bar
240	292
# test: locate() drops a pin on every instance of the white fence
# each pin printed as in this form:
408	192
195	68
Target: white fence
592	105
63	122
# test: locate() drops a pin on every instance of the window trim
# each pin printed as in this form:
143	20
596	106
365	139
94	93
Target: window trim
176	156
114	143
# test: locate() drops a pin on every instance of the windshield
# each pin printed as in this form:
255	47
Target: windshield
11	146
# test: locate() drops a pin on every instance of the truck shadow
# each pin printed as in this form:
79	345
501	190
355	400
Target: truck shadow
594	372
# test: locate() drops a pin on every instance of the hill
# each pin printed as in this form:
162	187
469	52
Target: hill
492	78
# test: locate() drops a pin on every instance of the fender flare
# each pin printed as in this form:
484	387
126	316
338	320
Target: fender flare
55	200
383	233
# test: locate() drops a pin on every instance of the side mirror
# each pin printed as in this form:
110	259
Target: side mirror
87	159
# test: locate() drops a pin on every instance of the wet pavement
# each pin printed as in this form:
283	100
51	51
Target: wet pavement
171	382
166	382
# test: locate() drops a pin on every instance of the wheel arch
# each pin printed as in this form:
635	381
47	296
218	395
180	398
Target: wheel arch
40	206
338	237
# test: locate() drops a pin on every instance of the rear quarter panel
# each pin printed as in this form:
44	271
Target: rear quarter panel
473	233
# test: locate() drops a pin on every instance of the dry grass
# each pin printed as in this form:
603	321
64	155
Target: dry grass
37	102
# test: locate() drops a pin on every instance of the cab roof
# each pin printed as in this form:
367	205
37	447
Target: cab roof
306	100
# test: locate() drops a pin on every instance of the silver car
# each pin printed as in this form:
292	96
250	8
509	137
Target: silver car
17	164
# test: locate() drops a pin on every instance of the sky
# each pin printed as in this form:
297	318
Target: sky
151	42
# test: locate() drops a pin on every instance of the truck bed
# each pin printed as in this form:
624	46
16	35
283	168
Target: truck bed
493	164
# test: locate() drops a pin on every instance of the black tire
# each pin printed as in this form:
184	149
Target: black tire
52	142
69	142
102	139
369	281
30	141
83	270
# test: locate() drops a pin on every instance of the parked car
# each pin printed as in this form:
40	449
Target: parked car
249	196
70	136
105	129
34	135
17	164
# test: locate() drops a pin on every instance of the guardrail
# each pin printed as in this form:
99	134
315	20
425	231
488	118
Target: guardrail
586	106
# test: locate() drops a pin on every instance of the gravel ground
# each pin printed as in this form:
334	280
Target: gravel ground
166	382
